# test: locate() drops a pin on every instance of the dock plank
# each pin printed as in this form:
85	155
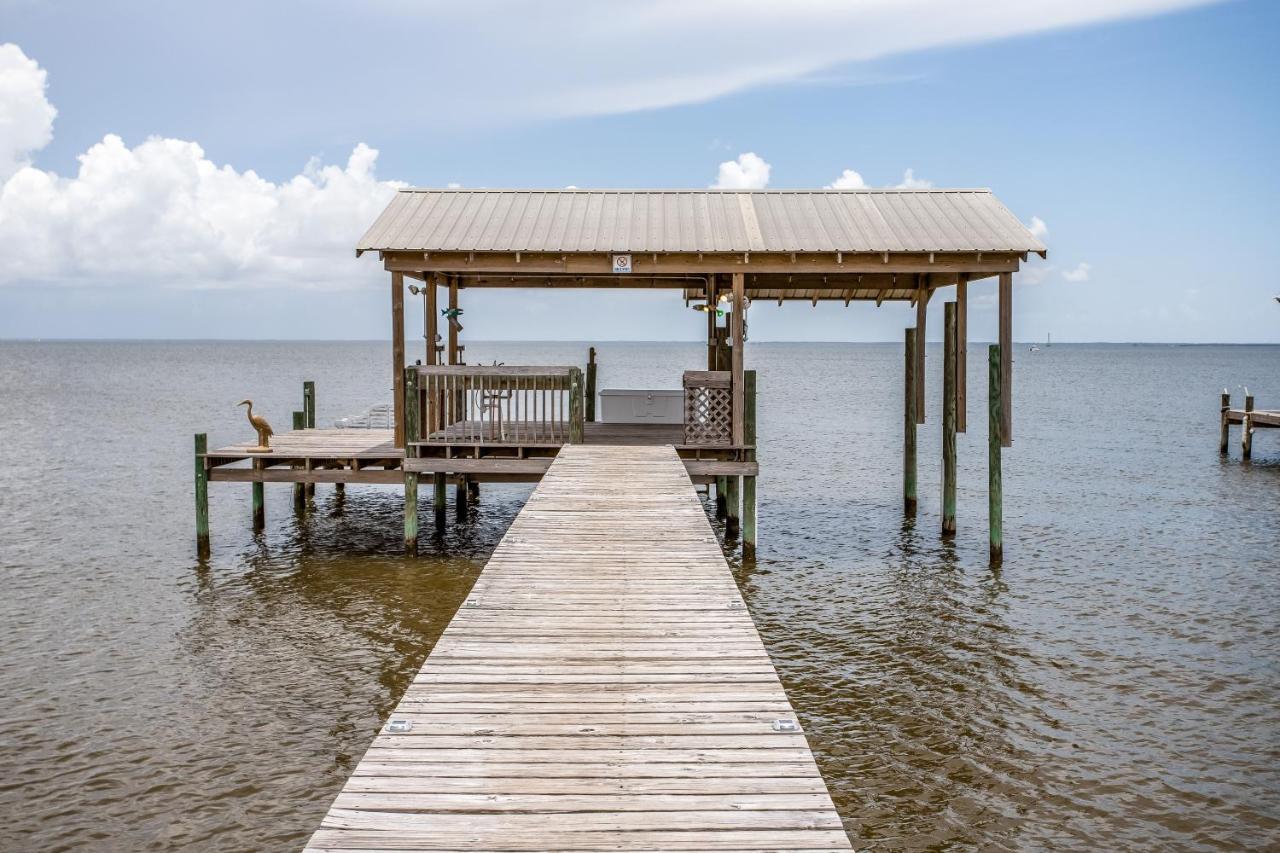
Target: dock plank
601	688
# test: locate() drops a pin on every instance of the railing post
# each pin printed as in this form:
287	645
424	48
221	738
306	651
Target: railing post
1224	438
299	489
591	385
949	420
576	412
412	434
749	481
995	489
909	427
202	494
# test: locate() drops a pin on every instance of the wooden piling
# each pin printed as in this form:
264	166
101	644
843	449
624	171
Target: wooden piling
1246	427
949	420
461	494
1006	356
995	489
397	355
722	506
309	418
439	497
591	385
299	489
922	313
909	499
1224	437
962	352
202	494
412	433
576	413
259	501
732	507
749	483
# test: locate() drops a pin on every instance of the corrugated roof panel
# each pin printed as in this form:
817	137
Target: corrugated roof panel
698	221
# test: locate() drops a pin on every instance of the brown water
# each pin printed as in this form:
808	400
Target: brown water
1115	685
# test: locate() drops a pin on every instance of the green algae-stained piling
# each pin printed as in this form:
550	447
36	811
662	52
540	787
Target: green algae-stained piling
909	427
602	687
949	420
202	494
995	488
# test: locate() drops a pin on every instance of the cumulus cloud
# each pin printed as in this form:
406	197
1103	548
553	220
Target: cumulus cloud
162	211
26	116
848	180
1080	273
911	182
748	172
1037	227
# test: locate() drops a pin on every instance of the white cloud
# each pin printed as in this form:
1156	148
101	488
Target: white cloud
1038	227
848	180
163	212
26	116
911	182
1080	273
748	172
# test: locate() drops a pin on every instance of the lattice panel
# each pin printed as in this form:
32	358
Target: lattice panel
708	415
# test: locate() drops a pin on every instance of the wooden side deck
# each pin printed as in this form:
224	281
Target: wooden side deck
1257	417
601	688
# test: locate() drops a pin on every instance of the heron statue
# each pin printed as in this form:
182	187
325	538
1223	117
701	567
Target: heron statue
259	423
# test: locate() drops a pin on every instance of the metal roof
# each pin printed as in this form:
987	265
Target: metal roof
935	220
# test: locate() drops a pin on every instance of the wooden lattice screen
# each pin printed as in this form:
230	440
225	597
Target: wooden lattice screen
708	407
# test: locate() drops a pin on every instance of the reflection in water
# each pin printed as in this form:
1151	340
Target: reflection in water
1114	680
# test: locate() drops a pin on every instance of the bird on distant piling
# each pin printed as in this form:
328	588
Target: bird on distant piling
259	423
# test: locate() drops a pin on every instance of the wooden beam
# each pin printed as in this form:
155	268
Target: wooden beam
397	355
1006	359
736	329
922	308
649	264
962	347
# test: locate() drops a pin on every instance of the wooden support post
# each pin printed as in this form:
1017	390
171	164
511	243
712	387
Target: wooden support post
438	495
737	320
461	494
591	385
259	502
962	352
732	506
309	419
473	489
397	355
995	489
432	331
922	308
1006	358
909	498
413	433
1246	427
453	326
749	483
299	489
202	494
1224	437
722	506
949	420
577	431
712	341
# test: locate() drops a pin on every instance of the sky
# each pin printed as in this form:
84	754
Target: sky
205	170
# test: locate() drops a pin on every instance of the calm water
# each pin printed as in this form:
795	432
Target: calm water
1115	685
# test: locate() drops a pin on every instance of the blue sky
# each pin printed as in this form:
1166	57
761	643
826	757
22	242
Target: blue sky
1145	143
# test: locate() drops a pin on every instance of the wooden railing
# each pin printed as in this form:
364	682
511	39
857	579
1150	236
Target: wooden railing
462	404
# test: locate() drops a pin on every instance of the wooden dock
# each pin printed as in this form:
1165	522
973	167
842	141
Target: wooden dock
602	688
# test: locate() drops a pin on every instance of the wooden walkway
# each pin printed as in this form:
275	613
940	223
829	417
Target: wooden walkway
601	688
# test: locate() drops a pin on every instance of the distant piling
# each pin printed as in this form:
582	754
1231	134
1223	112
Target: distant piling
909	497
309	419
1224	437
202	495
591	385
949	420
299	489
1246	427
995	490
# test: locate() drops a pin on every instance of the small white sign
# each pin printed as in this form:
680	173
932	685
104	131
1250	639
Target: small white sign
621	264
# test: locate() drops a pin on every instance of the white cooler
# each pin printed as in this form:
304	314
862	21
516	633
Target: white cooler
623	406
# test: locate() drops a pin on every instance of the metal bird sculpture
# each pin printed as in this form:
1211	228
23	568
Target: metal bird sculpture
259	423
